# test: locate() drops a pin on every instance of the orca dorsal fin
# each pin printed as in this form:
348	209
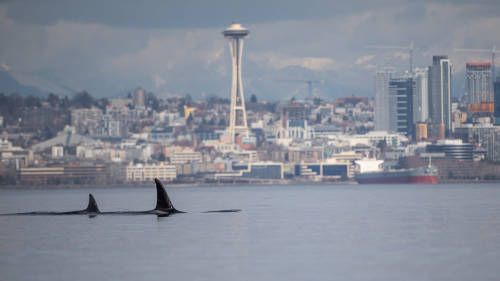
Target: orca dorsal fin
92	207
162	200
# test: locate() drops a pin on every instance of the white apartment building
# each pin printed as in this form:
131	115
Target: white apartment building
148	172
186	156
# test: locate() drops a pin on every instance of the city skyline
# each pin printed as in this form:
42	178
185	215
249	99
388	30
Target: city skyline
72	46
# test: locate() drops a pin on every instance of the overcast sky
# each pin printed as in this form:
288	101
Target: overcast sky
176	47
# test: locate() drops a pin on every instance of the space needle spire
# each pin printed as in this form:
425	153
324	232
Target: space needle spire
238	116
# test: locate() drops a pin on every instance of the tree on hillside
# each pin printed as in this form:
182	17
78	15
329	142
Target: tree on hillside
253	98
83	99
102	103
152	102
53	100
32	101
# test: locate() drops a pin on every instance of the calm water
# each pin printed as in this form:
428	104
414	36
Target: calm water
351	232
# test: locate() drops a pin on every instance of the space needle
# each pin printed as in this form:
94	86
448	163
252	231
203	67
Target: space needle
238	116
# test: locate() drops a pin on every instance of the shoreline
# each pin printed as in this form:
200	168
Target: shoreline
215	184
184	185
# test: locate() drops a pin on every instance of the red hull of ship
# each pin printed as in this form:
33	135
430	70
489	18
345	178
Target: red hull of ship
402	179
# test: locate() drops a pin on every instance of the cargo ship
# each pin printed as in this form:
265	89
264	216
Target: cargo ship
421	175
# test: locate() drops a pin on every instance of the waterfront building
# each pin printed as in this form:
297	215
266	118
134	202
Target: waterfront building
84	174
254	171
440	95
148	172
324	170
455	149
265	170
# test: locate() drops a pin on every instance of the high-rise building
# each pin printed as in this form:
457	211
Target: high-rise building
440	94
478	82
138	97
401	89
497	101
237	117
382	99
421	95
401	100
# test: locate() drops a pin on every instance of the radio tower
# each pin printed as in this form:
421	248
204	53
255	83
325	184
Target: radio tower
238	116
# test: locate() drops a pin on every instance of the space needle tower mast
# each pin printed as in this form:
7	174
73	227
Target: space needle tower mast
238	116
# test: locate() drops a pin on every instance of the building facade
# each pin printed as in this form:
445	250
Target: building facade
478	82
381	114
420	131
149	172
454	149
139	97
421	95
401	90
497	101
186	156
86	121
440	93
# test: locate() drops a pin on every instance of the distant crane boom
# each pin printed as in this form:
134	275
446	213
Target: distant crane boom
409	48
474	50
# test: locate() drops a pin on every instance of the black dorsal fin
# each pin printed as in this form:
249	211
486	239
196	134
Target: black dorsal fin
162	200
92	207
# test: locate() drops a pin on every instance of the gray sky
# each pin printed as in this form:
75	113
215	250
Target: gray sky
176	47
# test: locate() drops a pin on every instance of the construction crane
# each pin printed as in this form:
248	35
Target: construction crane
493	51
409	48
309	83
